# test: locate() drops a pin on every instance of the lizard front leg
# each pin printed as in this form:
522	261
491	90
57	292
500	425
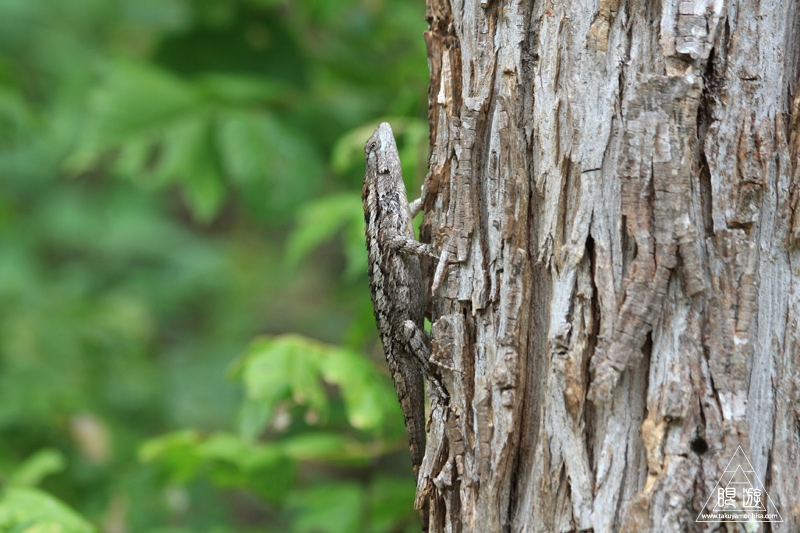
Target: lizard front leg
407	245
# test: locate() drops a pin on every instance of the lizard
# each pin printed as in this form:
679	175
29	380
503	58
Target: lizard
398	294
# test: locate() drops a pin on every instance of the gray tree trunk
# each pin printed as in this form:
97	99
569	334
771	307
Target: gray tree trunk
617	182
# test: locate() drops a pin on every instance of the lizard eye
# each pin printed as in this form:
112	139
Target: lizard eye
372	146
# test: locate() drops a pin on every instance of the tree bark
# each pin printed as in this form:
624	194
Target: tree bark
617	184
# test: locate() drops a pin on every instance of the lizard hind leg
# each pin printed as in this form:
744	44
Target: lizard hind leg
418	346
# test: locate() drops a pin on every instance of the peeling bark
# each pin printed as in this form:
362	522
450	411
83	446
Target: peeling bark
618	186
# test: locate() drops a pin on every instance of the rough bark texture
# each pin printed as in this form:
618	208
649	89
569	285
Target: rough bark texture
618	183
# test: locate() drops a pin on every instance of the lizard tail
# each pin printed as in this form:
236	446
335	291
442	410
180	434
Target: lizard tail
413	405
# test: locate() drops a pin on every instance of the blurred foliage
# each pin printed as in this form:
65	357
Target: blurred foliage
179	219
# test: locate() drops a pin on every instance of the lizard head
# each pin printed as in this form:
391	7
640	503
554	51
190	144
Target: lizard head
381	149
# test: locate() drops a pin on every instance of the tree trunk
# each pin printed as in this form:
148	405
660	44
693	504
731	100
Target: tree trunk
617	184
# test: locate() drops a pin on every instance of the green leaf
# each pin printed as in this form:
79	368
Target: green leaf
264	468
187	155
274	167
283	367
176	453
319	220
136	100
162	128
226	460
37	467
320	446
184	147
253	416
204	193
328	508
133	157
224	447
272	479
367	397
292	367
33	511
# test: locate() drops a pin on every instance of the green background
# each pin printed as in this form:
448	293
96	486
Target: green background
186	336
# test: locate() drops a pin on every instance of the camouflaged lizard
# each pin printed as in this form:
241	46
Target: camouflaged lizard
398	294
